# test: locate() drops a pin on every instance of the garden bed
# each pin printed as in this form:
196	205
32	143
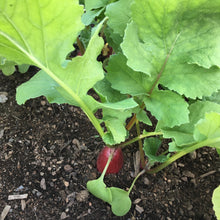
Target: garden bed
49	152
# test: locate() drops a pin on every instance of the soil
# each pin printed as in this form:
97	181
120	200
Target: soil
49	152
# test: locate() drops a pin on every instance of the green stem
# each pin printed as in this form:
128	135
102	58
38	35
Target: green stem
140	144
139	138
68	89
183	153
132	185
107	164
133	119
80	45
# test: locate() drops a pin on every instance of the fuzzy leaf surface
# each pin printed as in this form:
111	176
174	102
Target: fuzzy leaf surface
183	37
184	134
119	14
169	108
151	146
126	80
208	128
25	24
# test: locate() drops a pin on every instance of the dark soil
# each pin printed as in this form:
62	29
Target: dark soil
49	151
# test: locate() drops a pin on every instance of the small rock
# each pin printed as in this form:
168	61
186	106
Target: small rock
66	184
146	181
20	188
36	192
188	174
82	196
23	204
43	184
63	215
1	133
181	165
184	178
3	97
136	201
190	207
43	102
193	155
139	209
68	168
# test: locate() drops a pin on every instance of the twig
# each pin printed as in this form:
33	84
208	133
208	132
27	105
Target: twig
13	197
5	212
208	173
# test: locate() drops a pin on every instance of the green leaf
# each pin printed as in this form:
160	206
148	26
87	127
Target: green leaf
119	14
142	116
94	4
23	68
121	203
32	35
76	79
126	80
114	40
98	188
116	109
151	146
89	16
215	97
39	84
208	128
178	39
31	31
183	134
7	67
107	93
138	53
115	123
168	107
216	201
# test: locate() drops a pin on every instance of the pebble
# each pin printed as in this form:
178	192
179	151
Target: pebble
3	97
23	204
184	178
181	165
1	133
82	196
43	184
68	168
63	215
136	201
66	184
190	207
139	209
146	181
188	174
36	192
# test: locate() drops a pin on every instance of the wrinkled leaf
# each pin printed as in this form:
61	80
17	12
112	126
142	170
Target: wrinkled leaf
208	128
119	14
168	107
166	36
151	146
183	134
126	80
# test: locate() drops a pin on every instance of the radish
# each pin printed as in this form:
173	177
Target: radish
116	162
